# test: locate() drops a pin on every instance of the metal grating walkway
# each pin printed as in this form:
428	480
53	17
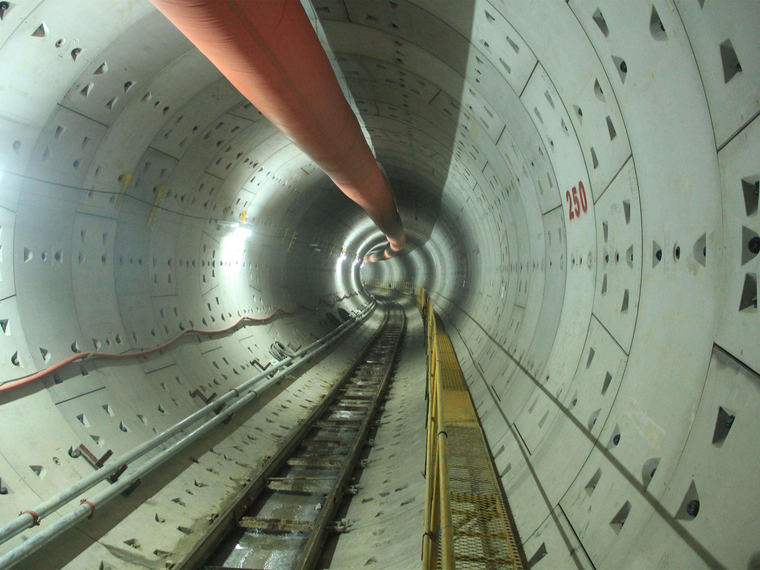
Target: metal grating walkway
483	535
467	523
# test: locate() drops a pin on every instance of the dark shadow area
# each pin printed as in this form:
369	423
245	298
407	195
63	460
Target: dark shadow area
411	116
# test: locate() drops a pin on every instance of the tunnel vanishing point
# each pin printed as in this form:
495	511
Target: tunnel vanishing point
263	263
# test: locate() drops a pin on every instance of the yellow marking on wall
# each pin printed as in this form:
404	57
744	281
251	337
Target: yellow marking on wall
646	426
159	195
285	235
292	239
125	179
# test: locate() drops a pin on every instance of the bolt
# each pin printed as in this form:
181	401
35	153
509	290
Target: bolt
3	490
754	245
4	6
623	67
616	439
658	255
651	475
692	508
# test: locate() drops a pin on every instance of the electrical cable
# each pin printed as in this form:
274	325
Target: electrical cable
145	352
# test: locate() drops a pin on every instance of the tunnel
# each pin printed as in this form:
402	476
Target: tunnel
578	181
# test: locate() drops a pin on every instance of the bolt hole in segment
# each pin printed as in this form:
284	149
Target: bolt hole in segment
293	502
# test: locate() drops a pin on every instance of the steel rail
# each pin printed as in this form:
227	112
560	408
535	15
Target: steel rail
310	555
128	478
228	519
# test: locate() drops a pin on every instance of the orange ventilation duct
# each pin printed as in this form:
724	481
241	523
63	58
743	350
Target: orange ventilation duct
269	51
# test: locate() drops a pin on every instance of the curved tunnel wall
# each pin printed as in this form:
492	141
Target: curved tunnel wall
606	332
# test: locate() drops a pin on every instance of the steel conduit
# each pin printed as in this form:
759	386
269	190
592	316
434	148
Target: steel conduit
26	520
269	51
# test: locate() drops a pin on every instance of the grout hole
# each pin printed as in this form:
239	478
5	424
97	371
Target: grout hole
690	504
592	419
513	44
606	384
601	22
614	438
598	92
619	519
748	301
621	66
750	244
751	190
611	129
655	26
700	250
624	306
593	482
648	471
656	253
723	424
41	31
731	65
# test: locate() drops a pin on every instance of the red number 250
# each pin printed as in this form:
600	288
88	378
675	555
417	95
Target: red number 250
573	204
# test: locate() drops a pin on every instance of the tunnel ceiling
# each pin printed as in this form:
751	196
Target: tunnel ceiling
579	181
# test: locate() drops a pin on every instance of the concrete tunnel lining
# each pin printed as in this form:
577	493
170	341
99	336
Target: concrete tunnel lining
631	312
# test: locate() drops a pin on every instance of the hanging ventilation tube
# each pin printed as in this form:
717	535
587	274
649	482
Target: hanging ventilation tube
269	51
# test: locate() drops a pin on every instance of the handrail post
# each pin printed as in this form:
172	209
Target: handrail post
431	472
446	526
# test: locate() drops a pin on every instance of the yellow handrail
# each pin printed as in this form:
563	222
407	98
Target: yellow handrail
438	518
466	516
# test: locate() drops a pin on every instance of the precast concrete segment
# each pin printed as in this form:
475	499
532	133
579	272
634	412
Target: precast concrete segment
120	464
202	481
270	52
125	480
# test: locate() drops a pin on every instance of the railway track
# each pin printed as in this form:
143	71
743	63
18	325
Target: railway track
284	516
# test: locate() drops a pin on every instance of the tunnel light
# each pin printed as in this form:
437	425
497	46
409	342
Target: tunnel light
240	231
343	256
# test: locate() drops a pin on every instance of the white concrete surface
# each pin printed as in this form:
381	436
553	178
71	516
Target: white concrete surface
488	116
387	514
